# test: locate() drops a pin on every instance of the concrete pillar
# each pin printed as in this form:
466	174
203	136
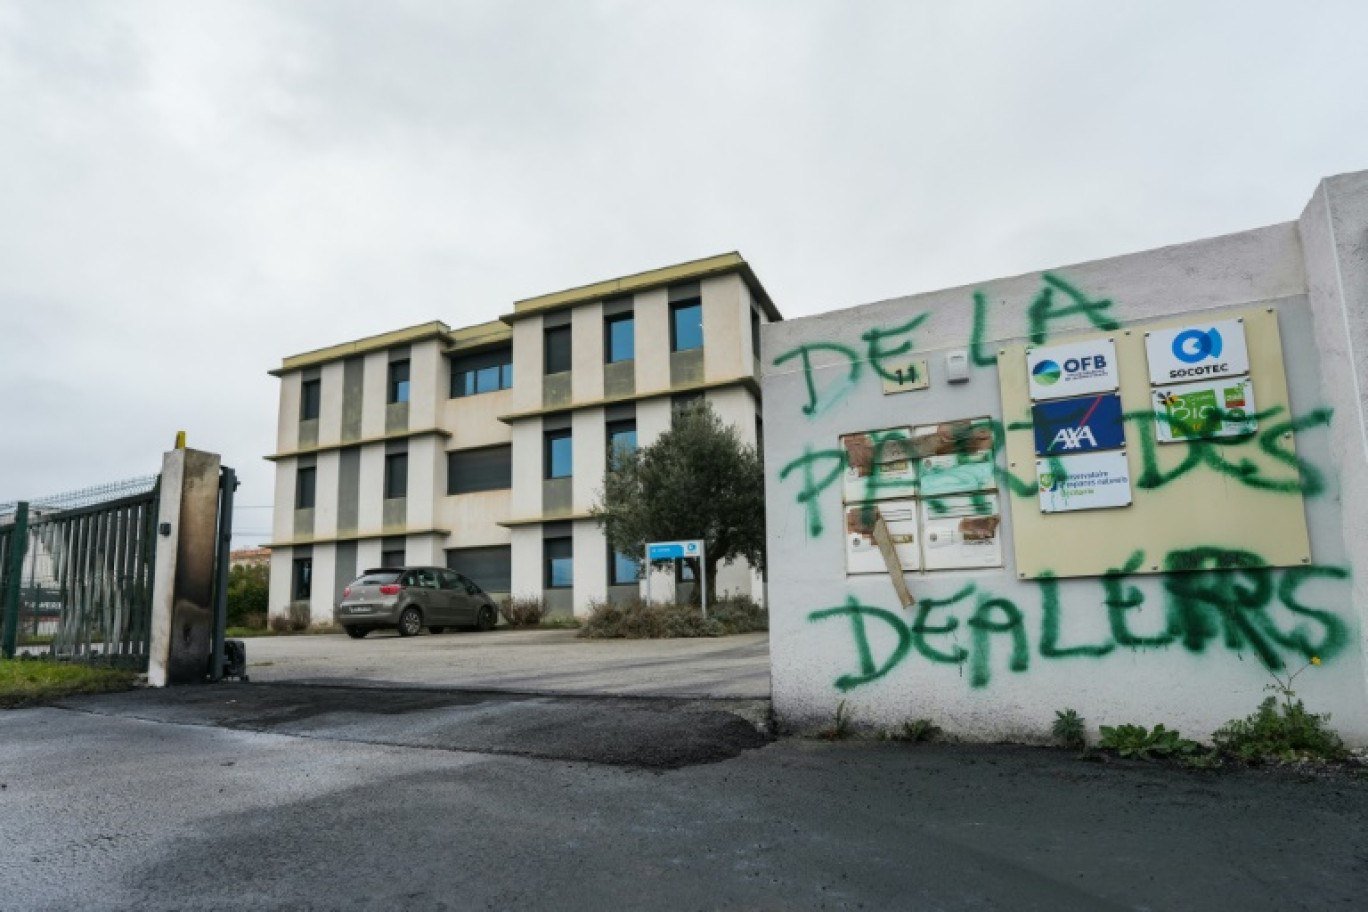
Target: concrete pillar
182	586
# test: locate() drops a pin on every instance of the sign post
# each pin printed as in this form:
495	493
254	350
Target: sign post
677	550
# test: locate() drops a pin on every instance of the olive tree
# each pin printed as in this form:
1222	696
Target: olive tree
696	481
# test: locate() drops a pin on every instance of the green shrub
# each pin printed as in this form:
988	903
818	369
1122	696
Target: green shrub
1139	742
916	731
1279	732
249	594
635	619
1070	730
523	612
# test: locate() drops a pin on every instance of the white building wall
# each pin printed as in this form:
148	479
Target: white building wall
325	495
526	553
651	313
474	420
287	426
724	328
428	383
426	479
888	666
370	505
591	565
586	356
590	457
282	562
282	516
368	552
373	395
323	591
527	469
528	364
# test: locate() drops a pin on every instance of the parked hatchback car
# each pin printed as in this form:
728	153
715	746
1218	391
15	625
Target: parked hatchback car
411	598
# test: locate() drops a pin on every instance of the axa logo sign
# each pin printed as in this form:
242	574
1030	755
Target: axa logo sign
1074	439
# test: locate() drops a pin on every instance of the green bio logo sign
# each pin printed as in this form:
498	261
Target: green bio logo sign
1209	410
1046	373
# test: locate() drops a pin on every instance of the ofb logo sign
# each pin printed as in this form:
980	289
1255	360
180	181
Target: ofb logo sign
1073	369
1197	352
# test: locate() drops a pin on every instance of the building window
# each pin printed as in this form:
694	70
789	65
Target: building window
398	381
558	350
485	372
396	475
686	325
491	568
619	338
623	569
393	558
686	569
303	578
560	563
755	333
305	484
559	456
486	469
622	439
310	395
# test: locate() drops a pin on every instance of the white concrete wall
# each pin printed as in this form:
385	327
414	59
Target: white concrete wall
426	479
725	328
967	679
370	506
474	420
374	393
651	313
528	364
474	518
287	426
586	353
323	591
527	469
591	565
526	554
590	456
325	494
282	561
282	516
368	552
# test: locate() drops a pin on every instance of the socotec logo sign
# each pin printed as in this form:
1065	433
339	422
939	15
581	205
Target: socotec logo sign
1197	352
1074	369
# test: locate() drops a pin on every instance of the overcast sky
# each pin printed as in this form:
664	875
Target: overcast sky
190	191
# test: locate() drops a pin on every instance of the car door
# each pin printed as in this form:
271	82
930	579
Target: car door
426	594
463	612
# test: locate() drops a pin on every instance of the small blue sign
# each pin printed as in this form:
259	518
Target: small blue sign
1067	426
671	550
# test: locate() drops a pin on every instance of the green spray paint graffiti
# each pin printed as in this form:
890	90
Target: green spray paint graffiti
1211	595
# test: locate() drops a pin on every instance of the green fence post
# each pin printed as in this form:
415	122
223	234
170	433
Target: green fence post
18	547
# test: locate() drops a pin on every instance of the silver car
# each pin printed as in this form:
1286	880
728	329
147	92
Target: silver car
411	598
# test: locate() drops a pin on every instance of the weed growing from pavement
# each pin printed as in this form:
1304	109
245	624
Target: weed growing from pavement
1144	744
841	727
1070	730
25	681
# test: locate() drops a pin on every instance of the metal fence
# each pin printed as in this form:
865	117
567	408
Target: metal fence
76	573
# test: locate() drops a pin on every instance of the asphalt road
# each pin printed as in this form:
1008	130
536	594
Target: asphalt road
281	797
529	661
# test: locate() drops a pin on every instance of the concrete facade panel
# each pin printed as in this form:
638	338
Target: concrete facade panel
651	312
586	333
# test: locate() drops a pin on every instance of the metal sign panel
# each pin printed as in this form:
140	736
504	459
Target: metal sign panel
1197	411
862	552
1196	352
962	532
1089	481
672	550
879	465
1072	369
1078	425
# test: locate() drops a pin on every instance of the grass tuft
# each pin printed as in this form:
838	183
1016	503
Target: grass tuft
24	682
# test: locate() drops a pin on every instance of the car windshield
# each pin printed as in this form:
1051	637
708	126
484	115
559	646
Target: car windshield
377	578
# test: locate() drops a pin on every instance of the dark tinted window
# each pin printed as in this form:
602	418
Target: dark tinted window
491	568
399	381
396	475
305	481
303	578
376	578
310	394
558	349
560	563
755	333
623	569
483	372
686	325
486	469
559	456
619	338
622	438
392	558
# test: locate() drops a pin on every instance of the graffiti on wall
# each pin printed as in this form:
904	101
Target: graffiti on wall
1212	598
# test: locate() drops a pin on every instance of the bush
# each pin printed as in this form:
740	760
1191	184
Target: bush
523	612
1273	732
280	623
636	619
252	620
1141	743
249	593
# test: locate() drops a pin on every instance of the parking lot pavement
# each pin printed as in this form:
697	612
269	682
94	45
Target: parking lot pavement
525	661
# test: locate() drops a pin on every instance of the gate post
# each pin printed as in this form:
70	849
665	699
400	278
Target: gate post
9	610
182	587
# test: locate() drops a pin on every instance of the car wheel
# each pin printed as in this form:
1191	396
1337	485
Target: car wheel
486	619
436	629
357	632
410	622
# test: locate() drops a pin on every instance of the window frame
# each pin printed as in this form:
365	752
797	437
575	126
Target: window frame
609	324
391	460
302	473
559	333
675	309
301	579
454	456
613	579
398	388
549	438
310	399
486	361
613	429
549	559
